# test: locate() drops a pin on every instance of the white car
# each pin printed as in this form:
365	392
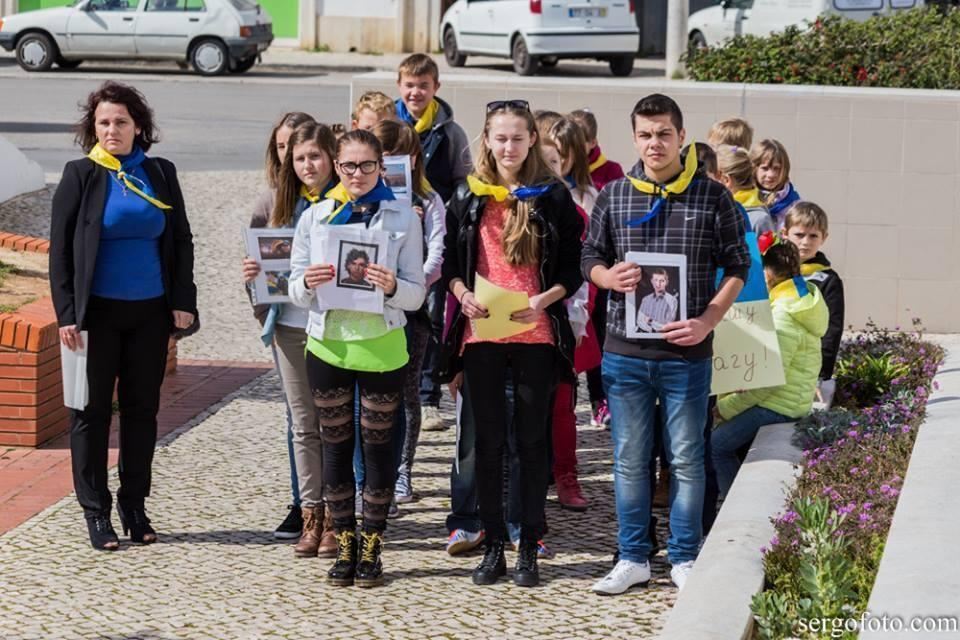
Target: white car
214	36
712	26
535	32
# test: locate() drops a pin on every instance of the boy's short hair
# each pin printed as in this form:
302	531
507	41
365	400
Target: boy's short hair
736	132
806	214
378	102
587	121
545	120
706	158
657	104
783	259
418	64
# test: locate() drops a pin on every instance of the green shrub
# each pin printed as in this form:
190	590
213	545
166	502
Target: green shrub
910	49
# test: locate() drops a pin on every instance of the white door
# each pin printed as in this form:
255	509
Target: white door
166	26
105	27
506	18
476	25
736	18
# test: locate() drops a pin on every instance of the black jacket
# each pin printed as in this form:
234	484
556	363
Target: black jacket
75	225
831	287
560	228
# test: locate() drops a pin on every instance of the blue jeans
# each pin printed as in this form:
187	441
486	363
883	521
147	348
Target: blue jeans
464	509
633	386
294	482
733	434
430	388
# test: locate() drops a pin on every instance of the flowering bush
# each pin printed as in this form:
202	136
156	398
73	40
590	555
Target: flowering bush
855	458
913	49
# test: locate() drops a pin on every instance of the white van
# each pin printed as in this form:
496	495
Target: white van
214	36
541	32
713	25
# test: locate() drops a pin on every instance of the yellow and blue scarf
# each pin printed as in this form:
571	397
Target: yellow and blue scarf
342	214
662	193
123	171
425	122
480	188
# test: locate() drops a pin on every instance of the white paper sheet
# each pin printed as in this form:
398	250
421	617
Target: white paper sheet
73	364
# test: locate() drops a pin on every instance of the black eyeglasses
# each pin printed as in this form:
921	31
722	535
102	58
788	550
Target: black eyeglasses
497	105
366	168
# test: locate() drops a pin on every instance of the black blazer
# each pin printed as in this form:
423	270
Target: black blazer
75	225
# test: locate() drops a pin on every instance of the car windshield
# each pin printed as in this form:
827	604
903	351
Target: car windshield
244	5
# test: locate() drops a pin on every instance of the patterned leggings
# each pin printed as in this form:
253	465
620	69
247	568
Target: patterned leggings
333	390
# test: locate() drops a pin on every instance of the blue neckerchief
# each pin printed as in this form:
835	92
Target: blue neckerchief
377	194
528	193
403	113
801	285
654	210
570	181
130	164
782	205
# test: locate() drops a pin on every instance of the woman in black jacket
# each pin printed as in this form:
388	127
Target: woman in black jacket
121	269
515	225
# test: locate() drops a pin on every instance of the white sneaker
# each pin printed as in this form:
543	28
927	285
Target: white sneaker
461	541
431	420
625	575
679	573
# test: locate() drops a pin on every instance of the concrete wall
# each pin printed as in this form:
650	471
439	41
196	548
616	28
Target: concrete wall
883	163
8	7
17	173
374	25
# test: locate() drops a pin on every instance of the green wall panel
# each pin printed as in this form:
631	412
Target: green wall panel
31	5
285	15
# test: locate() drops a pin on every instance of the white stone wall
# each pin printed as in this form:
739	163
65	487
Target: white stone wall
17	173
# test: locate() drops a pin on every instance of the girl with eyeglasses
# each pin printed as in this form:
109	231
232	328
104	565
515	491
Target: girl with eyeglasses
354	350
304	175
514	224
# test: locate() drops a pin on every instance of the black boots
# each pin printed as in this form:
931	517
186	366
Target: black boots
135	521
370	569
343	571
526	573
493	564
102	535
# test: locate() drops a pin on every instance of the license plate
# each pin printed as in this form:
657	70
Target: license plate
588	12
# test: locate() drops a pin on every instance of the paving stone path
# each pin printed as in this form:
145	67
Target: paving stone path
220	486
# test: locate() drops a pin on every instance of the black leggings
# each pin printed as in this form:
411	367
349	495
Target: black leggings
485	367
380	393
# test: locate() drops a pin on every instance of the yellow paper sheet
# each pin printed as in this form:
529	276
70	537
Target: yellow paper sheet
746	354
501	303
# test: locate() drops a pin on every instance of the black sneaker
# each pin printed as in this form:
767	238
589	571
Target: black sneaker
526	573
292	525
493	564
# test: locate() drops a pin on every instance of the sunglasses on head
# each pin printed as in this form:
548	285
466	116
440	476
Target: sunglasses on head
497	105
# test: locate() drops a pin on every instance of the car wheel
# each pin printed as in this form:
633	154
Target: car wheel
524	63
697	41
242	66
622	66
36	52
549	61
210	58
450	50
68	64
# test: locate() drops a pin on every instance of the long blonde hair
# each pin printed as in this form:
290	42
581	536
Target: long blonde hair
521	244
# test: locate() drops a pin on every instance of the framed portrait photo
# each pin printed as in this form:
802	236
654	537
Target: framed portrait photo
660	296
271	248
351	249
352	263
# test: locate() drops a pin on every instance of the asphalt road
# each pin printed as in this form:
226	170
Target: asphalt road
205	125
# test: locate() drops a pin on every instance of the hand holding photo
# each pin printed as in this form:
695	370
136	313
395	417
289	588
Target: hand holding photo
359	280
271	249
660	297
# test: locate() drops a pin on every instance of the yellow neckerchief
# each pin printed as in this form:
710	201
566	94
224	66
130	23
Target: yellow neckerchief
749	197
789	288
305	193
425	123
480	188
107	160
425	185
338	194
599	162
676	187
810	268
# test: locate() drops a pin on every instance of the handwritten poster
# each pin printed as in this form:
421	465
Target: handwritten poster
746	354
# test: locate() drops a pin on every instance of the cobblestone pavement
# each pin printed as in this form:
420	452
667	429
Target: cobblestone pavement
220	488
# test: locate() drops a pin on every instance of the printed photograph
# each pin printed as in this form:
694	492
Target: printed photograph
277	282
275	248
355	257
660	297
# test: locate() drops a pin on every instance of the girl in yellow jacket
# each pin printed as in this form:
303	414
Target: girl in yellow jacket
800	316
